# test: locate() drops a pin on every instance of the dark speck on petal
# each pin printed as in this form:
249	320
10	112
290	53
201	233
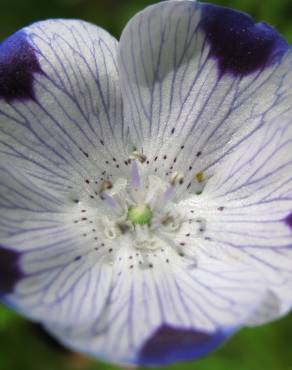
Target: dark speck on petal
10	272
239	45
18	63
171	344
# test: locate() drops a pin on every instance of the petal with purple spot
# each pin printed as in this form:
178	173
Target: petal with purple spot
61	137
205	305
191	96
61	107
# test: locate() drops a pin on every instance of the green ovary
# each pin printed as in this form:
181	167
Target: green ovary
140	215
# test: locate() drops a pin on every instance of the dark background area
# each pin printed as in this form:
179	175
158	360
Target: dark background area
22	345
114	14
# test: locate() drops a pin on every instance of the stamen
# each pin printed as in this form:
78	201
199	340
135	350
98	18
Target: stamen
200	176
168	194
109	200
106	185
110	232
135	176
171	223
124	227
138	156
176	178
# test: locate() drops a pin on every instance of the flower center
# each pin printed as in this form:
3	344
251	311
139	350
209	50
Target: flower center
139	212
140	215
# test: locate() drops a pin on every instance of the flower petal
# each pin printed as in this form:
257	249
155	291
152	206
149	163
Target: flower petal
27	210
61	128
202	305
192	75
53	262
247	206
60	102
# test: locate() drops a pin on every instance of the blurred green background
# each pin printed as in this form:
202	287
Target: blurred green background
114	14
22	345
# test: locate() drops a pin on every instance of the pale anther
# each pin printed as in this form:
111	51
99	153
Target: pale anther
138	156
176	178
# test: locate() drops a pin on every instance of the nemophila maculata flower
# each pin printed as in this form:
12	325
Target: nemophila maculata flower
146	192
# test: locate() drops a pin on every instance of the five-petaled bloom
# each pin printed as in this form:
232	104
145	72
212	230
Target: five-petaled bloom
146	188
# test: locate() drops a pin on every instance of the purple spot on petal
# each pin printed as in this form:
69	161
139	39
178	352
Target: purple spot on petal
170	344
10	272
18	63
239	45
288	221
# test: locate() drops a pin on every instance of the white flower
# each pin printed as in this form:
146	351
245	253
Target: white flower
146	188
